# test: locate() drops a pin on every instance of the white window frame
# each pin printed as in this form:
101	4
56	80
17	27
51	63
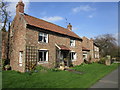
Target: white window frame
44	50
43	35
85	56
20	58
73	42
11	32
75	56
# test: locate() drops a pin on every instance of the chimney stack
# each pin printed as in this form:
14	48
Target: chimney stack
20	7
69	27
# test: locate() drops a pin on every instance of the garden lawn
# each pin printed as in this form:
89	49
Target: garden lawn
60	79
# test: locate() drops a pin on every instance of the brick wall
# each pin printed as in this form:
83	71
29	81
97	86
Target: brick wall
32	39
17	43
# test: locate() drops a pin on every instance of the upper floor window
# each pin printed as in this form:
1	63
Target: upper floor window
43	37
72	42
96	48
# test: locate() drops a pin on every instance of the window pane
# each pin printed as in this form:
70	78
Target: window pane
45	56
73	55
45	39
40	56
72	42
40	38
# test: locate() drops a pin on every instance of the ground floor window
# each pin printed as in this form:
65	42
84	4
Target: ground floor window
20	58
42	55
73	55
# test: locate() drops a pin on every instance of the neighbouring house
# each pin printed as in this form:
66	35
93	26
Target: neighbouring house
34	41
90	50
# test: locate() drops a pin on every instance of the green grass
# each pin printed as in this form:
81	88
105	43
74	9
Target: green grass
60	79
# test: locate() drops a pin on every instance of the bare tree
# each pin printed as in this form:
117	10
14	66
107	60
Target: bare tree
107	44
4	15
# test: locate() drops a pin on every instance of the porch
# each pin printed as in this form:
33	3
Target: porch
63	56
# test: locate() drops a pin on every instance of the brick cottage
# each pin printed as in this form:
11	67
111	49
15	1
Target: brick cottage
33	41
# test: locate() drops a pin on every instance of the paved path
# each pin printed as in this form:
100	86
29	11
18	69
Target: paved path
109	81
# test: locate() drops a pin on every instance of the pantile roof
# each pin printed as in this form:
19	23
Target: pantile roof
49	26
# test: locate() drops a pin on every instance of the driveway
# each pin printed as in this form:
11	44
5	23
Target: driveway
109	81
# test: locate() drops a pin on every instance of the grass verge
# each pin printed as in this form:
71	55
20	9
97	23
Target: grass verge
58	79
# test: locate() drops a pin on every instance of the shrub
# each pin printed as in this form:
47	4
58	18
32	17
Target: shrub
87	62
5	62
102	60
39	68
7	67
54	70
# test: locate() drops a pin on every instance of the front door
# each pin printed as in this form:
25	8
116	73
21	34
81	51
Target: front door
65	57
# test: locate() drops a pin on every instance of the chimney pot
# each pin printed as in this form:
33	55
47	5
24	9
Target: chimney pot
20	7
69	26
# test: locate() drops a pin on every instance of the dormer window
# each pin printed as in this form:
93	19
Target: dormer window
43	37
72	42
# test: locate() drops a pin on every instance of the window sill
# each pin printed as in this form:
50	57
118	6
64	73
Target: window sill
72	46
43	62
73	60
42	42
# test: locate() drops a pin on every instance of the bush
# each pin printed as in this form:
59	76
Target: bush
102	60
39	68
87	62
7	67
54	70
5	62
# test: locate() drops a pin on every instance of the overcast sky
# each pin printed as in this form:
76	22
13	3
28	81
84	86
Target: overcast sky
88	19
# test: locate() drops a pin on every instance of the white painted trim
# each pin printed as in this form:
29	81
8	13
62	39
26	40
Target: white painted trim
42	62
57	46
20	58
43	49
72	43
72	51
47	40
47	55
74	56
